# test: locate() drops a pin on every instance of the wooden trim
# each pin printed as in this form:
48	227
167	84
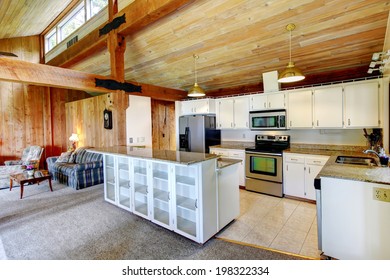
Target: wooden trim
139	14
19	71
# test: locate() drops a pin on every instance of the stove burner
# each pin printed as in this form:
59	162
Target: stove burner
270	144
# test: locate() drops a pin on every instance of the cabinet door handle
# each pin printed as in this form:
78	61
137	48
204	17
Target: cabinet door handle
318	123
169	196
309	170
265	104
349	121
269	104
290	123
196	203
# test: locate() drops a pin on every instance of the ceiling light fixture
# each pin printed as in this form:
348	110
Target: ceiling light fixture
380	59
291	73
196	90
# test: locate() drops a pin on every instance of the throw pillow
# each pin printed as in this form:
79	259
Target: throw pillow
64	157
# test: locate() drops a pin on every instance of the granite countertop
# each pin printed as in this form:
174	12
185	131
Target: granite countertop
179	157
234	145
372	174
225	162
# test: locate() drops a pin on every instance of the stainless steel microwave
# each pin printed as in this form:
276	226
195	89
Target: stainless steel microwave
268	120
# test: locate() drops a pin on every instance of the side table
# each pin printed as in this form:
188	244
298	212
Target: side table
23	178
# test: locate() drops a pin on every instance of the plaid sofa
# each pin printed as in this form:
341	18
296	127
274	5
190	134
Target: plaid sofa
83	169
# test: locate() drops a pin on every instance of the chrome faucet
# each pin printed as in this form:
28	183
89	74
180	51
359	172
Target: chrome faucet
371	152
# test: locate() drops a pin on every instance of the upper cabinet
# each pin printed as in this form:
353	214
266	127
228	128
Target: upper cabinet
267	101
328	107
233	113
198	106
362	104
299	111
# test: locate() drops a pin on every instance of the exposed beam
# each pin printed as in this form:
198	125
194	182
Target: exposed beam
139	14
14	70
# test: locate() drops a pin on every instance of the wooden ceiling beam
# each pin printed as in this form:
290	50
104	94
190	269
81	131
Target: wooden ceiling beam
14	70
138	14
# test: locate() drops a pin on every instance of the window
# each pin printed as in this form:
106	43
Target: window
72	21
51	40
97	6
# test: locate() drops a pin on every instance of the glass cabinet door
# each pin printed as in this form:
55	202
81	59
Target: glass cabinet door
161	194
186	201
109	175
124	190
141	205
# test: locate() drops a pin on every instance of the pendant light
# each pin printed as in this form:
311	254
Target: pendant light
196	90
291	73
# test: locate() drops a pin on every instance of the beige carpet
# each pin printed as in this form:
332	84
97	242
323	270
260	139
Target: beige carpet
80	225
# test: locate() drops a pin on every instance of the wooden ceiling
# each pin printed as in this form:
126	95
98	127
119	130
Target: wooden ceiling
236	41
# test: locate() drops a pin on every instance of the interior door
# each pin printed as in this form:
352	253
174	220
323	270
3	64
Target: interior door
163	125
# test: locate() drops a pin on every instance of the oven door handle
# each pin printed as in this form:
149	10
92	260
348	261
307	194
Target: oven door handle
263	154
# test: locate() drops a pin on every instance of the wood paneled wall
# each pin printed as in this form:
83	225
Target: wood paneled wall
32	115
85	117
163	125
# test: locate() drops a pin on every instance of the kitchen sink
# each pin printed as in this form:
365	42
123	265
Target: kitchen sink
356	160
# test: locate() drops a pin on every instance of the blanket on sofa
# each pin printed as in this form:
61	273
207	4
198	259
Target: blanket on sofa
5	171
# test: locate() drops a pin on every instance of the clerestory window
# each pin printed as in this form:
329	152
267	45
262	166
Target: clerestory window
72	21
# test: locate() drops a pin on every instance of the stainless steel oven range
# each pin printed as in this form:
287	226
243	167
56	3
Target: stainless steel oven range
264	164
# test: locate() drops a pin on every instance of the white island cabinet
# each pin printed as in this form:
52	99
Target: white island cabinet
355	218
174	189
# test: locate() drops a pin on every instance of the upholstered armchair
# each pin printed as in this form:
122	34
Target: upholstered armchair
31	156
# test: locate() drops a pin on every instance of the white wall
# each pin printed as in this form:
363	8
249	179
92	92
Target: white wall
353	137
139	121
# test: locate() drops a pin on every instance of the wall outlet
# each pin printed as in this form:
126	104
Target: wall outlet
381	194
130	140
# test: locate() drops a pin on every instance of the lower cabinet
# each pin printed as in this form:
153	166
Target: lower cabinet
182	198
299	171
233	154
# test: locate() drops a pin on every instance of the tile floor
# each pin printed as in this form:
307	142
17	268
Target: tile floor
283	224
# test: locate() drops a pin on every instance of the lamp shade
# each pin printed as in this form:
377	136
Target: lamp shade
290	74
196	91
74	137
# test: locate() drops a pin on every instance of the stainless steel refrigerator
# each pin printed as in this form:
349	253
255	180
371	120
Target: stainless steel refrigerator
197	133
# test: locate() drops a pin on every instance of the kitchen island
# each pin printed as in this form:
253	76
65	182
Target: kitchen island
353	210
181	191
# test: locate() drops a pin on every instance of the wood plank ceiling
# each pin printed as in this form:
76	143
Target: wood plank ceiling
236	41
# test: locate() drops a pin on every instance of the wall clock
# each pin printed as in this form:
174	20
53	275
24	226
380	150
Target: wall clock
107	119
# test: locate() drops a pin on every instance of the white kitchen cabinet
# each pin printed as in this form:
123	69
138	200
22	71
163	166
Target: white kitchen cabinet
300	109
195	207
362	104
123	167
233	113
161	194
228	195
109	179
225	113
299	172
355	226
117	188
233	154
175	194
267	101
199	106
141	183
294	175
328	107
